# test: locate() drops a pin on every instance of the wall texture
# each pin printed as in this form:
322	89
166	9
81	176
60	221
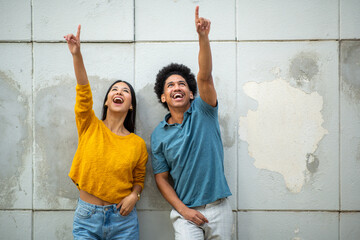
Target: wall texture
287	75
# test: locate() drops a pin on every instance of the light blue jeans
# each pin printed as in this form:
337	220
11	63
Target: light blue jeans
220	223
104	222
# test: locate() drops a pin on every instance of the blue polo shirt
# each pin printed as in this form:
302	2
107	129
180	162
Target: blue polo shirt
192	152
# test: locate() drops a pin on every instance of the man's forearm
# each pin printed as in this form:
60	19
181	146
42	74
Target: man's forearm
169	194
205	59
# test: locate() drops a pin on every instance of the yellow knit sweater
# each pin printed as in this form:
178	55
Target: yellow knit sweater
105	165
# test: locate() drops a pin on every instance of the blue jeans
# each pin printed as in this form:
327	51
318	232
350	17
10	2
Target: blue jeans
104	222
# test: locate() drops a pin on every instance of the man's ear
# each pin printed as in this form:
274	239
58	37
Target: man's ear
191	95
163	98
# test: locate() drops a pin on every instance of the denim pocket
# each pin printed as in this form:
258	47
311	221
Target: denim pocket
83	213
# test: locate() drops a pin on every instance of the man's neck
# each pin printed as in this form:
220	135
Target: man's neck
177	115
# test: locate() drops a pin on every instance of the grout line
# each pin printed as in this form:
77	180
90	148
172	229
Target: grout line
32	119
187	41
236	19
166	210
161	210
297	211
339	116
134	47
237	125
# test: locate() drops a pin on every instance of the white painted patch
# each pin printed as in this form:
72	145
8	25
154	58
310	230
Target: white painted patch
283	130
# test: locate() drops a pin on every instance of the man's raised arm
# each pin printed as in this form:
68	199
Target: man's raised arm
204	78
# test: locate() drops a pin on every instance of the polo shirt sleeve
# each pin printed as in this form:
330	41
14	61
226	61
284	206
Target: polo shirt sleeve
158	160
206	108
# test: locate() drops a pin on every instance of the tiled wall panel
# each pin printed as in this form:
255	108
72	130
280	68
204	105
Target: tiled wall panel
288	126
285	20
288	225
175	20
350	125
15	19
16	126
54	225
15	225
349	226
101	20
54	98
349	19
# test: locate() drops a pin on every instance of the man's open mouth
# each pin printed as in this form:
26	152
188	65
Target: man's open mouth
178	95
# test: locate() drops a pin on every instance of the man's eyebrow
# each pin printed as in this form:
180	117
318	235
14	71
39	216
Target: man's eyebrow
180	81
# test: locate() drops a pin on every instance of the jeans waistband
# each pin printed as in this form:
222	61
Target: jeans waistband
96	207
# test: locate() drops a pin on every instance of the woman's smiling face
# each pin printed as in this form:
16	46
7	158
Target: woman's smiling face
119	98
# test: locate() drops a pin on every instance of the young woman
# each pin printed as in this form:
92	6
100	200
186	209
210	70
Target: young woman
109	165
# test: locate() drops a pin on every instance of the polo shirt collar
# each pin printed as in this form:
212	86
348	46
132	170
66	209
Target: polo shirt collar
167	116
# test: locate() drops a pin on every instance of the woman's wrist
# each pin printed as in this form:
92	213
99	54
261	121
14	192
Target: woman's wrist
136	193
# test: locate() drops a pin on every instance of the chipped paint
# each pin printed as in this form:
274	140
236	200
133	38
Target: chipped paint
284	130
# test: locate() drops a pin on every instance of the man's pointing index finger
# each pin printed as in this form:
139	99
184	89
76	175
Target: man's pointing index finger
196	13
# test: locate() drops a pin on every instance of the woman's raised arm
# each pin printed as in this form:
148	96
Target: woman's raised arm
74	47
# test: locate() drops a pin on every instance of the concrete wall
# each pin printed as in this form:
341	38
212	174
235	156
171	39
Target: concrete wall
288	80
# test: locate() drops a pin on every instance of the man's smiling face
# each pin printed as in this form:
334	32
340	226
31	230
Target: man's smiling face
177	93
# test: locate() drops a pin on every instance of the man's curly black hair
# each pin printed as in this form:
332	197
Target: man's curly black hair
171	69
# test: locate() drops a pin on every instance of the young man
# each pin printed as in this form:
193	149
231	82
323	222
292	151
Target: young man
187	146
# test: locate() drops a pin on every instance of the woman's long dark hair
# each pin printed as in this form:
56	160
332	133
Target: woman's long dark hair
129	122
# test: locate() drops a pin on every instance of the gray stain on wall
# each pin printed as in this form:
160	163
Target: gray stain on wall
15	141
228	136
303	67
303	71
149	113
350	70
350	78
56	136
312	162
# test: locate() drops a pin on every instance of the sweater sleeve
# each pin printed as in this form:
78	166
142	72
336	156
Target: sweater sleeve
140	169
83	108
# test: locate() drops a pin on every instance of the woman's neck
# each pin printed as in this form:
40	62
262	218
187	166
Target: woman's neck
115	122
